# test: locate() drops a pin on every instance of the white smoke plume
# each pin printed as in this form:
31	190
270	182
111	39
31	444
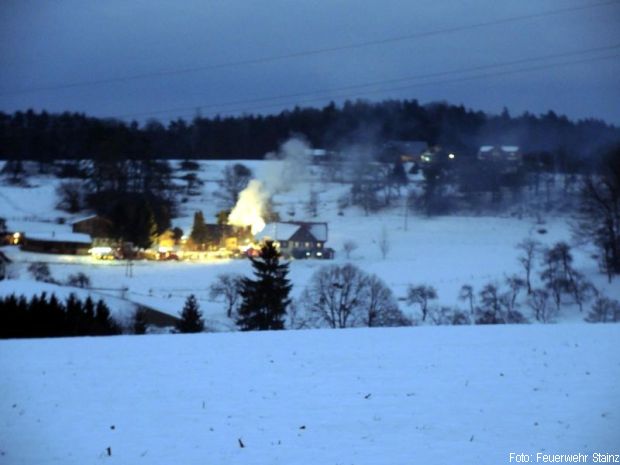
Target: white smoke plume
287	167
250	207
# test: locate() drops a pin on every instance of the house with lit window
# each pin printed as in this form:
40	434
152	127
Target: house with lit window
298	239
500	153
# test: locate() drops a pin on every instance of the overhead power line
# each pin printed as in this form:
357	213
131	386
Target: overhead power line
332	93
311	52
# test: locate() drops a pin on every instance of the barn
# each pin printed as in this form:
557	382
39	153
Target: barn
57	243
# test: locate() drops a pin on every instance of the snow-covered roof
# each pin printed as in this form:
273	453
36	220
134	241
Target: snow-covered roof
60	237
504	148
510	148
316	152
278	231
319	230
284	231
83	218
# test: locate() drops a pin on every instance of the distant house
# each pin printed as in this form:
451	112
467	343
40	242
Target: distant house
405	150
501	153
4	266
298	239
58	243
97	227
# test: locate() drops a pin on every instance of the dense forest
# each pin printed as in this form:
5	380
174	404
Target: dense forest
44	136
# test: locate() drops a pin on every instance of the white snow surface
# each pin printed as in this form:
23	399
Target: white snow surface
427	395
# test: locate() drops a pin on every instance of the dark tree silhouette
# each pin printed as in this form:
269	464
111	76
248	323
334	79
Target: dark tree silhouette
191	317
265	299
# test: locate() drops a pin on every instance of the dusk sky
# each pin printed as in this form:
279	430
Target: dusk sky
165	58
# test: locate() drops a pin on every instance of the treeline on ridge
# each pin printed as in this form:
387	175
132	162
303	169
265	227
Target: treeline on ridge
43	136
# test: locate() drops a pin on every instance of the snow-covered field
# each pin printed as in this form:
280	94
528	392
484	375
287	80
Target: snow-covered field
445	252
429	395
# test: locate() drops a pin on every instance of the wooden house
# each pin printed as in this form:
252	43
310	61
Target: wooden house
298	239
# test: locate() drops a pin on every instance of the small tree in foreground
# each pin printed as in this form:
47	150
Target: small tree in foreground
265	298
191	317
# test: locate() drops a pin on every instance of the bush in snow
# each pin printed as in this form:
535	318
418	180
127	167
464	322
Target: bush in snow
78	280
40	272
496	308
604	310
448	316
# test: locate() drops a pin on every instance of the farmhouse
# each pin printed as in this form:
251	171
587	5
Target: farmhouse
500	153
59	243
298	239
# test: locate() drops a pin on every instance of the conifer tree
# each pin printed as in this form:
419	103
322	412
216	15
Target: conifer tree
266	298
191	317
199	229
104	324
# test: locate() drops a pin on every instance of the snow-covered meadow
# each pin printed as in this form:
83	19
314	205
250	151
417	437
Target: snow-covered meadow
432	395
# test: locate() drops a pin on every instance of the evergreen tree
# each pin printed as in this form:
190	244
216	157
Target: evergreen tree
191	317
104	324
265	299
199	234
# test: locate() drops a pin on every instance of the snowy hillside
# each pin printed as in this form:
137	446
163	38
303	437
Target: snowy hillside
467	395
445	252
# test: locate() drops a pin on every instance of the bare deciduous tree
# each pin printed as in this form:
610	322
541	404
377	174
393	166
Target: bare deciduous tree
538	301
381	307
529	251
420	295
345	296
348	247
227	286
604	310
312	207
235	179
336	294
69	196
598	218
467	294
384	243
